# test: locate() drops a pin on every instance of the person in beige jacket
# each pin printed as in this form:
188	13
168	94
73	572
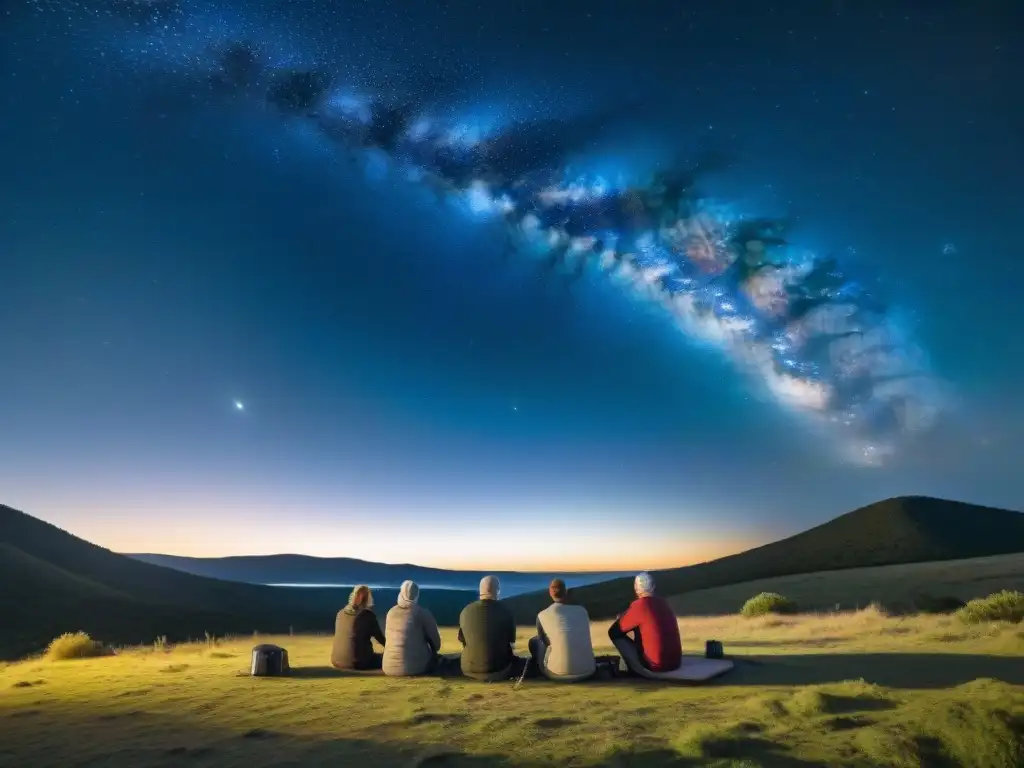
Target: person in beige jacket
563	649
413	641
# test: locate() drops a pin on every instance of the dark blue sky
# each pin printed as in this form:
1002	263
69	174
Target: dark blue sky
409	394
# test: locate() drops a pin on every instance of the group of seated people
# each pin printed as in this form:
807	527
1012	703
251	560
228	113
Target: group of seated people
647	633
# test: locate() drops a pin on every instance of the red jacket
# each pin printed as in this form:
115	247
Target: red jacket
657	632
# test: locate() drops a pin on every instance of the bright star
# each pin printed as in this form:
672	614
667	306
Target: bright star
239	405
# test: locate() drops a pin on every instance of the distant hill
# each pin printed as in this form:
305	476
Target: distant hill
935	586
911	529
303	569
53	582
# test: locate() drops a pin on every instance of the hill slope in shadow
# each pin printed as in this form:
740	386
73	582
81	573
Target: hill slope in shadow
911	529
53	582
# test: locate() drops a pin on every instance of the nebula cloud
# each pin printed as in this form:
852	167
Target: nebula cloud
805	331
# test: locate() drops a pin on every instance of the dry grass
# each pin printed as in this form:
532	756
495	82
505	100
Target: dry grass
858	689
74	645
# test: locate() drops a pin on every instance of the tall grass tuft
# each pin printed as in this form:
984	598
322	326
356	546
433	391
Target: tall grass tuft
767	603
999	606
74	645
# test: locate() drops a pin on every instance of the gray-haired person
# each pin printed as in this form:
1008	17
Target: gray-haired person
487	631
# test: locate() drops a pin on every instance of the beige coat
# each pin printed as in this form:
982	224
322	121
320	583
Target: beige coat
570	652
412	640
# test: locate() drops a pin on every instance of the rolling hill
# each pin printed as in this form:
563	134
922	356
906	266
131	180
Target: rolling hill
53	582
912	529
304	569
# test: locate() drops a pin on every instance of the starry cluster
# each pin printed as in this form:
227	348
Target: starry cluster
811	336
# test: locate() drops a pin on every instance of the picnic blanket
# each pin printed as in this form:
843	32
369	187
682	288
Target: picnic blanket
694	669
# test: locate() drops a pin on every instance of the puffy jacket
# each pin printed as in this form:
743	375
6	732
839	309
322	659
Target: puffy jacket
413	640
570	651
353	630
487	632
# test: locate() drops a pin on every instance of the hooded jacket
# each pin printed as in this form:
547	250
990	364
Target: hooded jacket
354	628
412	635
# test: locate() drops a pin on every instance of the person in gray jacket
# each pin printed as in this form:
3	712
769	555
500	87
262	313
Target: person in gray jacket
562	649
413	641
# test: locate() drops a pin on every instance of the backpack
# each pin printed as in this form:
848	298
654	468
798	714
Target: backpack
269	661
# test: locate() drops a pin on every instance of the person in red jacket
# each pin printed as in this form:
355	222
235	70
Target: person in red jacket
650	619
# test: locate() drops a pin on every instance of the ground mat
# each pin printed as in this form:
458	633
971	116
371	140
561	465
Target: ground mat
694	669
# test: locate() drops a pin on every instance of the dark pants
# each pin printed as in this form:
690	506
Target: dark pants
444	665
514	669
374	662
537	650
620	638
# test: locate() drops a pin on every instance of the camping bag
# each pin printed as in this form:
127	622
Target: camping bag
607	666
269	661
713	649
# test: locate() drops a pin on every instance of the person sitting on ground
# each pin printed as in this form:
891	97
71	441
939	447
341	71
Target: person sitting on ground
413	641
563	649
487	631
355	626
656	644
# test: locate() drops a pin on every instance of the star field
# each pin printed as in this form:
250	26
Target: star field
214	318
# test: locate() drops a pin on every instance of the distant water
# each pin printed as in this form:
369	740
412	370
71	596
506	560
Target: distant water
509	585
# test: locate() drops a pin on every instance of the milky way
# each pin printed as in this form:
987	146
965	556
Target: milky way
803	329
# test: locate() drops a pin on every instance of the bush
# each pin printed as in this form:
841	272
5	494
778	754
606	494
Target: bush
74	645
767	603
1000	606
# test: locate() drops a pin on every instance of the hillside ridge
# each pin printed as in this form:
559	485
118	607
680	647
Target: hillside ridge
52	581
309	569
901	530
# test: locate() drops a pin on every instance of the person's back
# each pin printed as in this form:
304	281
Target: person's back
413	640
487	631
354	628
657	632
569	654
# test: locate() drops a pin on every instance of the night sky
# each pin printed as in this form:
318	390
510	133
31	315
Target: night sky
219	336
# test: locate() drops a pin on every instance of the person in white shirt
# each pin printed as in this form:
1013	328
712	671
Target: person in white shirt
562	649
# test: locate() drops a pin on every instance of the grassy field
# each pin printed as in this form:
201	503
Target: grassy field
853	689
899	588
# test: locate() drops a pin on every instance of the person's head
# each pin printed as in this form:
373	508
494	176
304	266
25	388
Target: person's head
489	588
361	598
643	584
408	594
558	591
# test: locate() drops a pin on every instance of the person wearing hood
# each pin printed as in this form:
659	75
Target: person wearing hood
562	649
487	631
413	640
354	628
655	643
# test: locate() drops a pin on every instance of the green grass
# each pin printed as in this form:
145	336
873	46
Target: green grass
853	689
767	603
1001	606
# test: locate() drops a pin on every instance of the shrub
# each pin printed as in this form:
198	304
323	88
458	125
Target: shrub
767	603
1000	606
74	645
